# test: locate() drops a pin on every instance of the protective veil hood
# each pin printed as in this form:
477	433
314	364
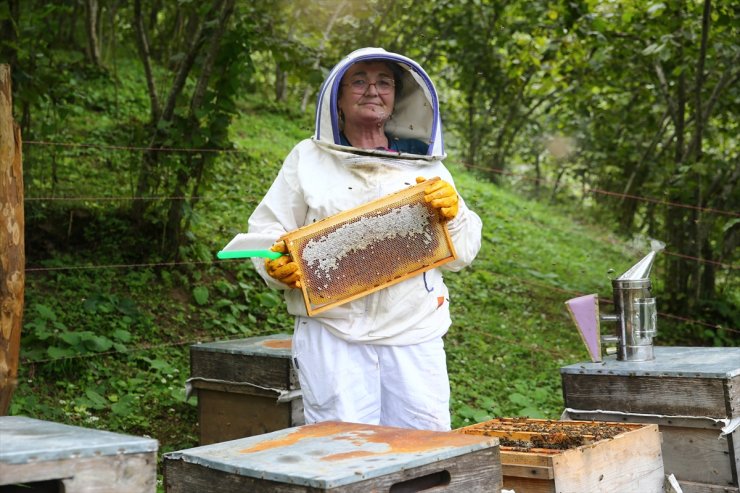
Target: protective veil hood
416	109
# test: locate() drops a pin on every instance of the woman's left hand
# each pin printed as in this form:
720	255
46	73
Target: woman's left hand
442	196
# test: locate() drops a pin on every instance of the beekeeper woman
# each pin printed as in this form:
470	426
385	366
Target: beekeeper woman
379	359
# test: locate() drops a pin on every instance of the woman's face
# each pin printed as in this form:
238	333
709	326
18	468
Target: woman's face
372	107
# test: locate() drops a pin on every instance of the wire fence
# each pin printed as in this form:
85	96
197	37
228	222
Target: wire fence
134	148
469	166
151	347
599	191
123	198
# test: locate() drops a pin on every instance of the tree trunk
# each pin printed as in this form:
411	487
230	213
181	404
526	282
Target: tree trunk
471	153
676	284
689	233
110	50
12	256
91	26
174	228
281	84
677	272
324	39
148	176
142	43
694	154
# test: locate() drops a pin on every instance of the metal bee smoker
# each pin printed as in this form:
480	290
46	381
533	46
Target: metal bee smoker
635	316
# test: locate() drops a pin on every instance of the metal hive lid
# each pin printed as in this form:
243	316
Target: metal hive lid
27	440
332	454
276	346
686	362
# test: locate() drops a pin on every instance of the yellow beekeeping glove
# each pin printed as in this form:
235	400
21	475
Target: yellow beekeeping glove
284	269
442	196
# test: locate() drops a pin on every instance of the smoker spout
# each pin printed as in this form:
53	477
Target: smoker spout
641	270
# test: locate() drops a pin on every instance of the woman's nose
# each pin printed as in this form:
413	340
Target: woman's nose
374	91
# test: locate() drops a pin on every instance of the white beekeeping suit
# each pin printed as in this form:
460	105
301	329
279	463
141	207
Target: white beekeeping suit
353	352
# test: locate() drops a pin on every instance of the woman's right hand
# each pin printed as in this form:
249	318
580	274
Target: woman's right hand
284	268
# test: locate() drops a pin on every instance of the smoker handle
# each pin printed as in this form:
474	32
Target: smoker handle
609	317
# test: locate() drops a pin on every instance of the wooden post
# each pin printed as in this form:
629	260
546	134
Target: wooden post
12	253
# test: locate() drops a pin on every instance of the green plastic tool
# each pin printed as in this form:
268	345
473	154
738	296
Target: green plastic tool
248	254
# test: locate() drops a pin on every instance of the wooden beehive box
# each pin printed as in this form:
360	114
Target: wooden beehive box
339	457
40	455
542	456
245	387
693	394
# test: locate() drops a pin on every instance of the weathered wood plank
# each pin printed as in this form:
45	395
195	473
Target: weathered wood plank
732	396
692	487
733	440
631	462
645	394
477	472
234	388
114	474
528	485
12	243
125	473
226	416
697	455
525	471
525	458
258	370
626	418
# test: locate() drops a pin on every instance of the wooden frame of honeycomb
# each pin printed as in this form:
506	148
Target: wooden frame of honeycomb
356	252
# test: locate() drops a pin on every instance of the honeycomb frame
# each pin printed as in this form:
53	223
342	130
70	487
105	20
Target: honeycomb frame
370	247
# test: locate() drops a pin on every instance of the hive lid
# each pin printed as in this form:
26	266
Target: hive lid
277	346
701	362
331	454
32	440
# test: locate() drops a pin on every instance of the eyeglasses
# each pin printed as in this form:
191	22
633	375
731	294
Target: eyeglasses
384	85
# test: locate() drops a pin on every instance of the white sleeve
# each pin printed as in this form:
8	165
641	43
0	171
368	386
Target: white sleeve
281	210
465	232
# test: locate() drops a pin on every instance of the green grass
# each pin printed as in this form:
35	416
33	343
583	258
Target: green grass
108	347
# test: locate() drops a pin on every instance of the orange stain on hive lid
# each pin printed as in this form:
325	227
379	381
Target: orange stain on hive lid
313	431
278	343
398	440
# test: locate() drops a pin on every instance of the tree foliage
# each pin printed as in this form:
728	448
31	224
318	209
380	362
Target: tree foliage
653	114
623	107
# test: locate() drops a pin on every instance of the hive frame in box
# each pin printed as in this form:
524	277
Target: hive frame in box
628	461
442	252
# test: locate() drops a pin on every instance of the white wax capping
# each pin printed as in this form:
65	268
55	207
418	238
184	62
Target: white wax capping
406	221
